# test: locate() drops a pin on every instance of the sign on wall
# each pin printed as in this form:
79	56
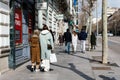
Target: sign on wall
18	25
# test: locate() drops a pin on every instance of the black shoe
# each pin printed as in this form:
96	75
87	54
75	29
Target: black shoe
32	69
42	69
83	52
50	69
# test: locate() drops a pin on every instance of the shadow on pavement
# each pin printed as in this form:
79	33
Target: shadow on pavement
73	68
28	67
87	58
106	78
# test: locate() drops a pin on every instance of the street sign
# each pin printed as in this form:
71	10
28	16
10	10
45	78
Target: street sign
42	6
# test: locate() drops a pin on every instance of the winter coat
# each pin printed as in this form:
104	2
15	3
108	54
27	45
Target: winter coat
67	37
93	39
45	38
35	49
60	38
82	35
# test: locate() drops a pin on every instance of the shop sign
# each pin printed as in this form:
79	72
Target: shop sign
18	25
30	23
42	6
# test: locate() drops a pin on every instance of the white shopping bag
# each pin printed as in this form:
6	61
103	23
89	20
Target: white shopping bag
45	64
53	58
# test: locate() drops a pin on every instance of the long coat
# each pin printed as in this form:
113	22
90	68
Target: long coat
35	49
45	38
93	39
60	38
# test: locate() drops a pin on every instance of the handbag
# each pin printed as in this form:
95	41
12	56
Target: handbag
49	47
53	58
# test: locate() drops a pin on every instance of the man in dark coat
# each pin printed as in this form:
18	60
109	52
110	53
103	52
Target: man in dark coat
68	39
82	37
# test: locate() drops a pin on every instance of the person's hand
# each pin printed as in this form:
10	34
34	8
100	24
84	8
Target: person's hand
52	51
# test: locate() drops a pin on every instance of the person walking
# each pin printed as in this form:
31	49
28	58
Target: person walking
60	38
46	41
82	37
74	40
35	51
93	40
68	39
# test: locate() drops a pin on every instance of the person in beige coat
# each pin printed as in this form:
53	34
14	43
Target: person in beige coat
35	51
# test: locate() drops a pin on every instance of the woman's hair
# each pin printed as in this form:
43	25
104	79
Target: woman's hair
74	33
36	31
45	27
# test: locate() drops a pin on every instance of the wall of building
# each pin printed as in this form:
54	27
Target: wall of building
4	35
22	24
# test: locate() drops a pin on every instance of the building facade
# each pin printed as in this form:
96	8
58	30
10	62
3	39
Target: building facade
111	10
18	19
22	22
4	35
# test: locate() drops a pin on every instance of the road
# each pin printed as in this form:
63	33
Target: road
114	44
114	49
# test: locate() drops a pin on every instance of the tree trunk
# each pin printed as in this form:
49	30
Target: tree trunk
104	37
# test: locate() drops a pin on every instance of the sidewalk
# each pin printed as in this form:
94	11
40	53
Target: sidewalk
77	66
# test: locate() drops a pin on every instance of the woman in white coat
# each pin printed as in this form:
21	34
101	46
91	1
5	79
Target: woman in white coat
45	39
74	40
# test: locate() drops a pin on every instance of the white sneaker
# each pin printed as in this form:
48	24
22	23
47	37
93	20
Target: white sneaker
46	70
37	70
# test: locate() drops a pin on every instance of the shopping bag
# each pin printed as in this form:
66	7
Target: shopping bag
45	64
53	58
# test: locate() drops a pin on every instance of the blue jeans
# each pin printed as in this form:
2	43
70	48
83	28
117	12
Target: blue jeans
67	47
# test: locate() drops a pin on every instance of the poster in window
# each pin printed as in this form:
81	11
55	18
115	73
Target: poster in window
18	25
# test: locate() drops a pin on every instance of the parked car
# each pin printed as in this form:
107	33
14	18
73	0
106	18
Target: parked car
110	34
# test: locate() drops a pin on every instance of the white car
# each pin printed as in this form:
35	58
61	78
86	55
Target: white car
109	34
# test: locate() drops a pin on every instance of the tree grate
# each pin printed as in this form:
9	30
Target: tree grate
101	68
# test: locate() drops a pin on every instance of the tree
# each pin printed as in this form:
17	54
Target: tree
104	36
87	9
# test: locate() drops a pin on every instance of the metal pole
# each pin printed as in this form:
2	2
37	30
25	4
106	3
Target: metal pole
105	38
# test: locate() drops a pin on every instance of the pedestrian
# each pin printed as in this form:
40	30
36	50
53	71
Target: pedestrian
68	39
82	37
60	38
52	35
93	40
74	41
46	41
35	51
